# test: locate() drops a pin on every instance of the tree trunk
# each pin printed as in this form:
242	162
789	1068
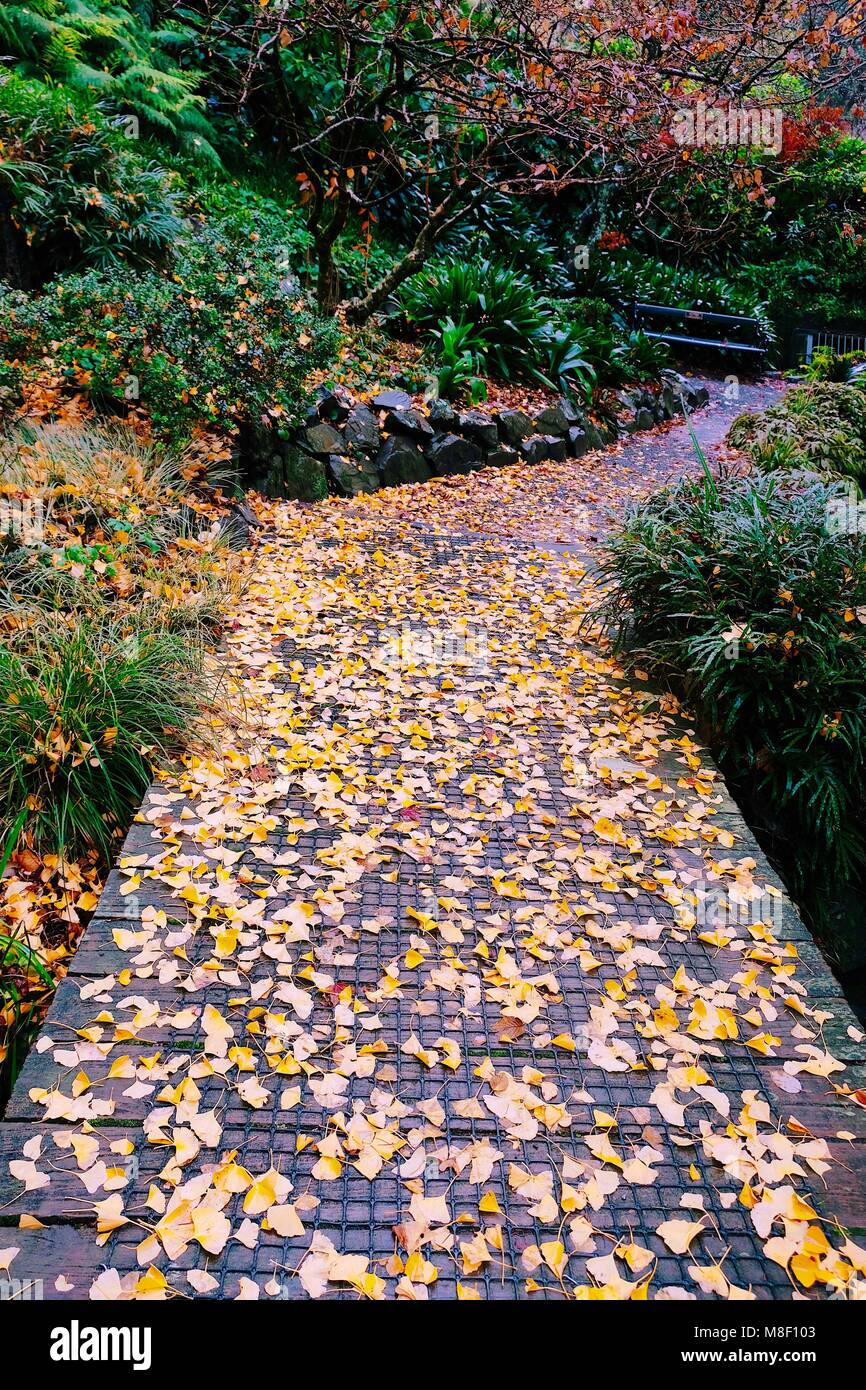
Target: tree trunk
452	206
324	240
15	256
327	281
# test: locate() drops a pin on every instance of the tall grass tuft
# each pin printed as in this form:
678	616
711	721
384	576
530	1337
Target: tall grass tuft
86	712
735	592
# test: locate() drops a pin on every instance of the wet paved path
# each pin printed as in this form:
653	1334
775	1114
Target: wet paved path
402	992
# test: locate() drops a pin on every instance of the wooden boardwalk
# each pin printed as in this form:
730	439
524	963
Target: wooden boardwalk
402	993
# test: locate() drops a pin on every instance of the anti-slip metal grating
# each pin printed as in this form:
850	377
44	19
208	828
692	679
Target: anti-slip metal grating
364	1217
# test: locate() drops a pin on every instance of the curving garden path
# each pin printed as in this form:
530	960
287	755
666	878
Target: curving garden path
400	993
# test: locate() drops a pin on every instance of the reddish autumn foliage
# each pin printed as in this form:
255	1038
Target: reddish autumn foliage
802	135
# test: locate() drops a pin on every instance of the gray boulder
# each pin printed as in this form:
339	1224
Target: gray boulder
514	425
333	404
501	457
237	526
410	422
478	426
594	435
577	442
533	449
321	438
643	419
449	453
392	400
680	386
441	415
556	446
349	476
362	429
401	461
557	418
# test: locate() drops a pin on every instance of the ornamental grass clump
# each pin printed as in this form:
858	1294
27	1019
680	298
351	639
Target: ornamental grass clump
86	712
737	594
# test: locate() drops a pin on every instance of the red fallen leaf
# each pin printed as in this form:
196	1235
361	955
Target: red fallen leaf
26	861
261	773
509	1029
410	813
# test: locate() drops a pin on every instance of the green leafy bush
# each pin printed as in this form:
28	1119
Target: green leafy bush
500	305
501	227
250	211
821	425
825	285
73	190
26	985
110	600
631	277
614	354
226	339
736	592
562	360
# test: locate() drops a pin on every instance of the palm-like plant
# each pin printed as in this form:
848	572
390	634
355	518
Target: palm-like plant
509	327
498	303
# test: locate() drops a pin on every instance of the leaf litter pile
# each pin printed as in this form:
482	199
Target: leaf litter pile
405	995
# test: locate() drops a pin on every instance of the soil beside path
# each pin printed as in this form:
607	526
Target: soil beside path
402	992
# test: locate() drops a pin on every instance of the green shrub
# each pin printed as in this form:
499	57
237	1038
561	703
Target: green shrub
73	190
26	986
643	358
827	365
499	227
500	306
120	530
223	341
86	710
817	277
738	594
360	263
251	212
822	425
104	468
562	361
615	355
459	360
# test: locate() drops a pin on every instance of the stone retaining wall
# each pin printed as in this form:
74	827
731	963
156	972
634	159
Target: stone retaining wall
349	445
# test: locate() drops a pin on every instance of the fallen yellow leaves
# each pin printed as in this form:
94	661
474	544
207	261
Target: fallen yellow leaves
424	943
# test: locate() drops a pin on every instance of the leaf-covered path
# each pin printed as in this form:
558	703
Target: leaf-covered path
402	994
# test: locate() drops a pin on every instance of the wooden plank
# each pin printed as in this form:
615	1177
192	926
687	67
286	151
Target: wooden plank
51	1258
41	1073
65	1197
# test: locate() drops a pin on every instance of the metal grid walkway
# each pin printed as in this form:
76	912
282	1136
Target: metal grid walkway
464	832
